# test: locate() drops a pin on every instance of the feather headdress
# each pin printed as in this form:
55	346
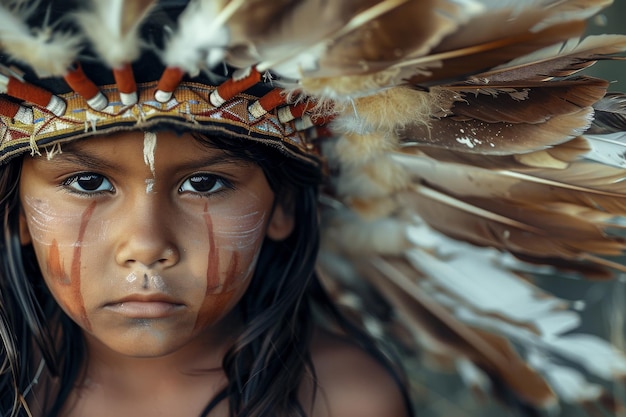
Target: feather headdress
469	155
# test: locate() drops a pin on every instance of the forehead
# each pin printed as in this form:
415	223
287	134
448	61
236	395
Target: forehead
123	142
164	154
165	148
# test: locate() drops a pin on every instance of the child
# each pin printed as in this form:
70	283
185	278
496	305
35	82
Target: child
165	265
165	270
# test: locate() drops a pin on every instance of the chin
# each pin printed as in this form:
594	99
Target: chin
145	340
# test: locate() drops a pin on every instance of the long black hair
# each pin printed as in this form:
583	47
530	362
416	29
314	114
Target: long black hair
265	365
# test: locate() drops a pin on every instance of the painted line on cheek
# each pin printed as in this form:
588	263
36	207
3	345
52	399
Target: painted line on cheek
76	264
212	272
231	274
213	267
55	266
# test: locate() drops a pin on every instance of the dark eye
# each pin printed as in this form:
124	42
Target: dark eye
203	183
89	183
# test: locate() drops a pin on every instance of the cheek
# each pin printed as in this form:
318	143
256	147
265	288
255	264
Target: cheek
234	244
61	267
47	222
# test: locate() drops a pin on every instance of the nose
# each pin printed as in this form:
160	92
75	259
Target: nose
146	236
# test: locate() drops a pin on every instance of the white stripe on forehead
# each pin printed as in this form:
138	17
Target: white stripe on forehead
149	147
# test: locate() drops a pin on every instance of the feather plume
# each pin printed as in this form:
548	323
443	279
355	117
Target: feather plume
47	52
113	28
201	35
373	43
464	303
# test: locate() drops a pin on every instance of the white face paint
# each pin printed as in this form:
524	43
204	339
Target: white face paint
144	279
45	218
149	151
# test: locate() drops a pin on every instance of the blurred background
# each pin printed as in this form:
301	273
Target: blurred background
611	20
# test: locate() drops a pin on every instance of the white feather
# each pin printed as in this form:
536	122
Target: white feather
476	277
569	383
202	35
102	24
594	354
46	52
608	149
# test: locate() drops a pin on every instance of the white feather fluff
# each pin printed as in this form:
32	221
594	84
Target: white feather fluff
105	24
201	35
46	52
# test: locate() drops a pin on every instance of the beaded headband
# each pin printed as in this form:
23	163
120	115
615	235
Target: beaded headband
86	99
31	124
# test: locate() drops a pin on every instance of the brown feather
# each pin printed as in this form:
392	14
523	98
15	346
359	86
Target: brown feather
532	102
521	17
476	136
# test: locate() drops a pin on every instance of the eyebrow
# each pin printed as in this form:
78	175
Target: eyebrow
223	159
76	156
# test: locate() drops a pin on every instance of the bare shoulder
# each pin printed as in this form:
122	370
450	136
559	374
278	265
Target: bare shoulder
350	382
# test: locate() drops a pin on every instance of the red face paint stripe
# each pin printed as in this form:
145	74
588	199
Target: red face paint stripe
212	273
55	266
231	274
76	264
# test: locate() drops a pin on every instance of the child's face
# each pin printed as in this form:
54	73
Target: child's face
146	246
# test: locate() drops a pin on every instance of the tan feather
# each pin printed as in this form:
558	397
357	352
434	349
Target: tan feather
587	184
556	157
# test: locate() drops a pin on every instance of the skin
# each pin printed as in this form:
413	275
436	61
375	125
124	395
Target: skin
152	275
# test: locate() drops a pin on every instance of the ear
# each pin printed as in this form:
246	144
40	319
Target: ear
281	224
25	237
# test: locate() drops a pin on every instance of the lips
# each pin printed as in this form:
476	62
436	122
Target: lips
142	306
